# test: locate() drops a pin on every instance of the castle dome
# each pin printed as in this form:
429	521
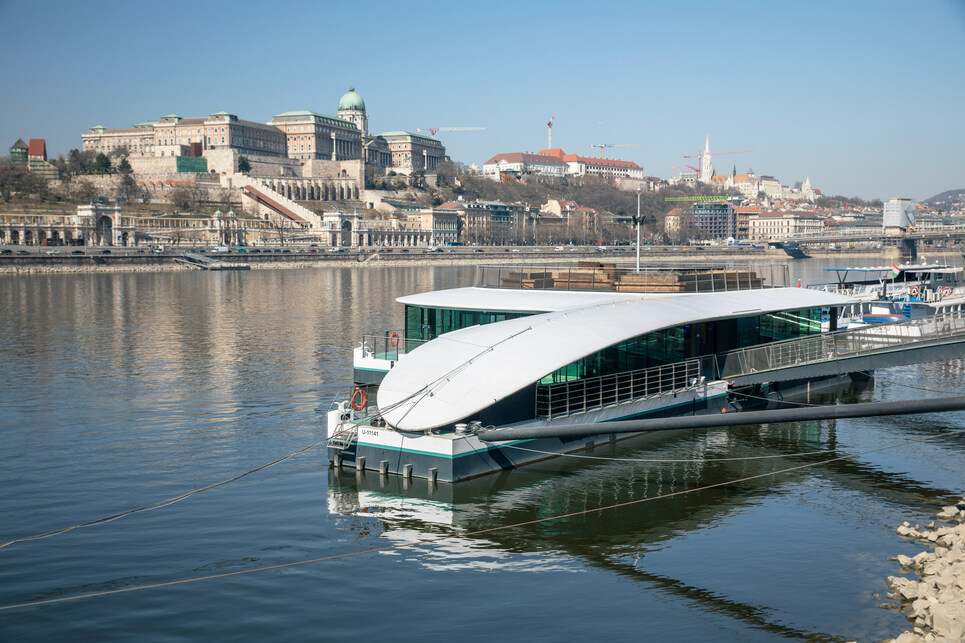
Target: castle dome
351	100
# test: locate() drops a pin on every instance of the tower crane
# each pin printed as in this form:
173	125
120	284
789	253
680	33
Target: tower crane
432	130
549	134
603	145
700	154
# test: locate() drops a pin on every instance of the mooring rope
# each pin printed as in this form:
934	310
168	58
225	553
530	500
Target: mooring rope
160	503
425	541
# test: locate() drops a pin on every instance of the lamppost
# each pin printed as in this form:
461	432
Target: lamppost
637	221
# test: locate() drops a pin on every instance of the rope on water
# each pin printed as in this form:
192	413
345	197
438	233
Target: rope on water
160	503
426	541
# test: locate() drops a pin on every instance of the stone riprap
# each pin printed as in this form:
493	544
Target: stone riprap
935	602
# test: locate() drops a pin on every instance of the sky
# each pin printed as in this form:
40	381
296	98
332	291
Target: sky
864	97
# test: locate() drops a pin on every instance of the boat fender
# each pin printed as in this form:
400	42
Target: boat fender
359	399
946	291
393	339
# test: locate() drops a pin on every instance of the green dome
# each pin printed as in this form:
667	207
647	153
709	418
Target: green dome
351	100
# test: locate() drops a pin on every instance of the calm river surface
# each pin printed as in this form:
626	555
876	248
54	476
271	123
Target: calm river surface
122	390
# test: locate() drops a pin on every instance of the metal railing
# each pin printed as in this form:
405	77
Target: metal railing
389	345
579	396
840	344
592	393
611	277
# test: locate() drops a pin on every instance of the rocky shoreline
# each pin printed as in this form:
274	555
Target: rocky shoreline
934	603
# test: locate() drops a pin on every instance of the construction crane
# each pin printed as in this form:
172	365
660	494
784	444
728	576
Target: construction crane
432	130
700	154
549	134
603	145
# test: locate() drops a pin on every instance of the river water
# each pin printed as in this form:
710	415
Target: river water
123	390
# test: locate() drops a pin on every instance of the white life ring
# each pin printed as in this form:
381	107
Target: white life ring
946	291
913	291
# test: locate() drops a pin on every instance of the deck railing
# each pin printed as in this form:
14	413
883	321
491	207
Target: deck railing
611	277
592	393
840	344
390	344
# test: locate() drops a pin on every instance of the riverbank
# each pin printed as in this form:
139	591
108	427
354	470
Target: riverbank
935	603
33	264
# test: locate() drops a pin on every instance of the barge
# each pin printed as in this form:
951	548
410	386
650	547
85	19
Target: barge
537	347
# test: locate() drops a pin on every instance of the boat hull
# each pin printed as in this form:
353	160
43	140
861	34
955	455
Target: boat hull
451	456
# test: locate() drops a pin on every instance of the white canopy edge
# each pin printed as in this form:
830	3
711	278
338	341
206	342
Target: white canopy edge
463	372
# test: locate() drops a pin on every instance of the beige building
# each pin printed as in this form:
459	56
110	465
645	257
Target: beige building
173	135
138	140
775	226
316	136
413	152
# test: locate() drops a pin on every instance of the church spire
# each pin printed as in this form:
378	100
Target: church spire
706	168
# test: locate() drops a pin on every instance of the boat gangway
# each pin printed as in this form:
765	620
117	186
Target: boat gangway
868	348
927	339
209	263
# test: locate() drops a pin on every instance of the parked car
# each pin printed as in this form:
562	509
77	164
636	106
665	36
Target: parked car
80	252
105	252
53	252
6	251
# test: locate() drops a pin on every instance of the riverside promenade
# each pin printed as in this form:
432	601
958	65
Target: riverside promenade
72	260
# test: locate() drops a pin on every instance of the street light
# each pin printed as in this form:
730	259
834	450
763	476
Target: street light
637	221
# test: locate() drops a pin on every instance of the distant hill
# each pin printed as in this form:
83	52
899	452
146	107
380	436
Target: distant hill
946	198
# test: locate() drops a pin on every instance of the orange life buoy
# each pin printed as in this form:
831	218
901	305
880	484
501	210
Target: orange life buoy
359	399
946	291
913	291
393	339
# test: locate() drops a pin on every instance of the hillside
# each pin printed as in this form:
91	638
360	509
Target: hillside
946	198
597	194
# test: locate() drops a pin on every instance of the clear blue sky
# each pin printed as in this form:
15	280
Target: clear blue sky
865	97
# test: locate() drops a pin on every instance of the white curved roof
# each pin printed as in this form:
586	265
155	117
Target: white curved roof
462	372
504	299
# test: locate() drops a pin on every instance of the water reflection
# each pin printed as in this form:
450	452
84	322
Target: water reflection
473	514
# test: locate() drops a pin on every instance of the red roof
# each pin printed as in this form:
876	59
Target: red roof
524	157
452	205
38	147
557	152
588	160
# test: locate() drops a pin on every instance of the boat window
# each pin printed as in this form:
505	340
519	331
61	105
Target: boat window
671	345
427	323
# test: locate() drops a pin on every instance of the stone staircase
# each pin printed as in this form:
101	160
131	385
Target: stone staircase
293	207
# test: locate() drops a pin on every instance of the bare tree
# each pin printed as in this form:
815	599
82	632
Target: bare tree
84	190
129	188
185	197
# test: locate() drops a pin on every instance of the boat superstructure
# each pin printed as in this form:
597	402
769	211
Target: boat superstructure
887	294
587	345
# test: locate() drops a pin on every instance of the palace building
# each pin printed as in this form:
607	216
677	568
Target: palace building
301	135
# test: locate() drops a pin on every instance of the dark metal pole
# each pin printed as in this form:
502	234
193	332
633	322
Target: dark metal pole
838	411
